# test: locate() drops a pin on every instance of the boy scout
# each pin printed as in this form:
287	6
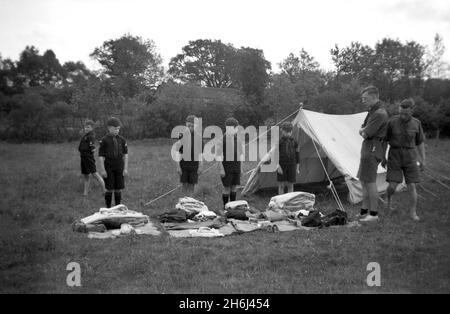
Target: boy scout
231	152
373	131
407	149
289	159
113	154
189	169
86	149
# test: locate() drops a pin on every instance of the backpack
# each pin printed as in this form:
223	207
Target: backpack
312	220
237	213
336	218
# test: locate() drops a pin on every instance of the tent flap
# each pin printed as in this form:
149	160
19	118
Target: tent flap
338	143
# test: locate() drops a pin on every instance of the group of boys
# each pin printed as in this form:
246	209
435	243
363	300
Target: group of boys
403	132
230	150
113	153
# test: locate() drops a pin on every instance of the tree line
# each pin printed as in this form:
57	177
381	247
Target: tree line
44	100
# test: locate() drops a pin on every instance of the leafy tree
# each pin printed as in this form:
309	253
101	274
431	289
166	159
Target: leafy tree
34	69
28	116
305	74
251	73
206	62
437	67
295	66
8	75
131	63
281	96
354	62
390	65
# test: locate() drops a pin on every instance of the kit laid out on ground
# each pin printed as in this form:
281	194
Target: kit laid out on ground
192	218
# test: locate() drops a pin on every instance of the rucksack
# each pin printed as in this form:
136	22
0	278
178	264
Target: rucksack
336	218
312	220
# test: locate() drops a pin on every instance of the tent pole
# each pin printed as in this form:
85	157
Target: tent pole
333	188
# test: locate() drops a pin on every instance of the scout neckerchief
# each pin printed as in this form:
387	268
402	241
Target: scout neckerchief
116	146
289	145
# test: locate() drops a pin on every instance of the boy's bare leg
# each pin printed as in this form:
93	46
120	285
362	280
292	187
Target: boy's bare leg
86	184
280	188
233	191
117	197
290	187
390	192
413	210
193	188
100	180
185	188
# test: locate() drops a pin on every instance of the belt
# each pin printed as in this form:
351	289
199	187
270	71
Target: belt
376	138
402	147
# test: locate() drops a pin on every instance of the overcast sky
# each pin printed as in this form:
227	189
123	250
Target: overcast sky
73	28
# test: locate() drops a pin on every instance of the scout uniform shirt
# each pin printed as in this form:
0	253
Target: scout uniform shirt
403	137
375	126
87	145
288	151
193	163
231	162
113	148
404	134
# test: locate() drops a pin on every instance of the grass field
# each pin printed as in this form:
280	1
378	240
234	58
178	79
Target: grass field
41	197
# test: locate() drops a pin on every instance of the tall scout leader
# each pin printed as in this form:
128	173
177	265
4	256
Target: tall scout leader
373	131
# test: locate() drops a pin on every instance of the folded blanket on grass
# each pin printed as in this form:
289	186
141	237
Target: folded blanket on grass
216	223
114	217
148	229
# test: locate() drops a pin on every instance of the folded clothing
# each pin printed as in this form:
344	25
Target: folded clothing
293	201
216	223
205	215
236	213
191	205
241	204
275	215
113	218
206	232
173	216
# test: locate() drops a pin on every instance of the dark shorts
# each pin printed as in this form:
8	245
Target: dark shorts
289	174
114	179
231	179
189	176
88	165
402	163
368	167
371	156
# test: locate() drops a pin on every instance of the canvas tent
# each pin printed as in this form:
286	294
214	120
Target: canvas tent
338	143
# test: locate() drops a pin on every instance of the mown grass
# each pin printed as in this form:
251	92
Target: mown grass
41	197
